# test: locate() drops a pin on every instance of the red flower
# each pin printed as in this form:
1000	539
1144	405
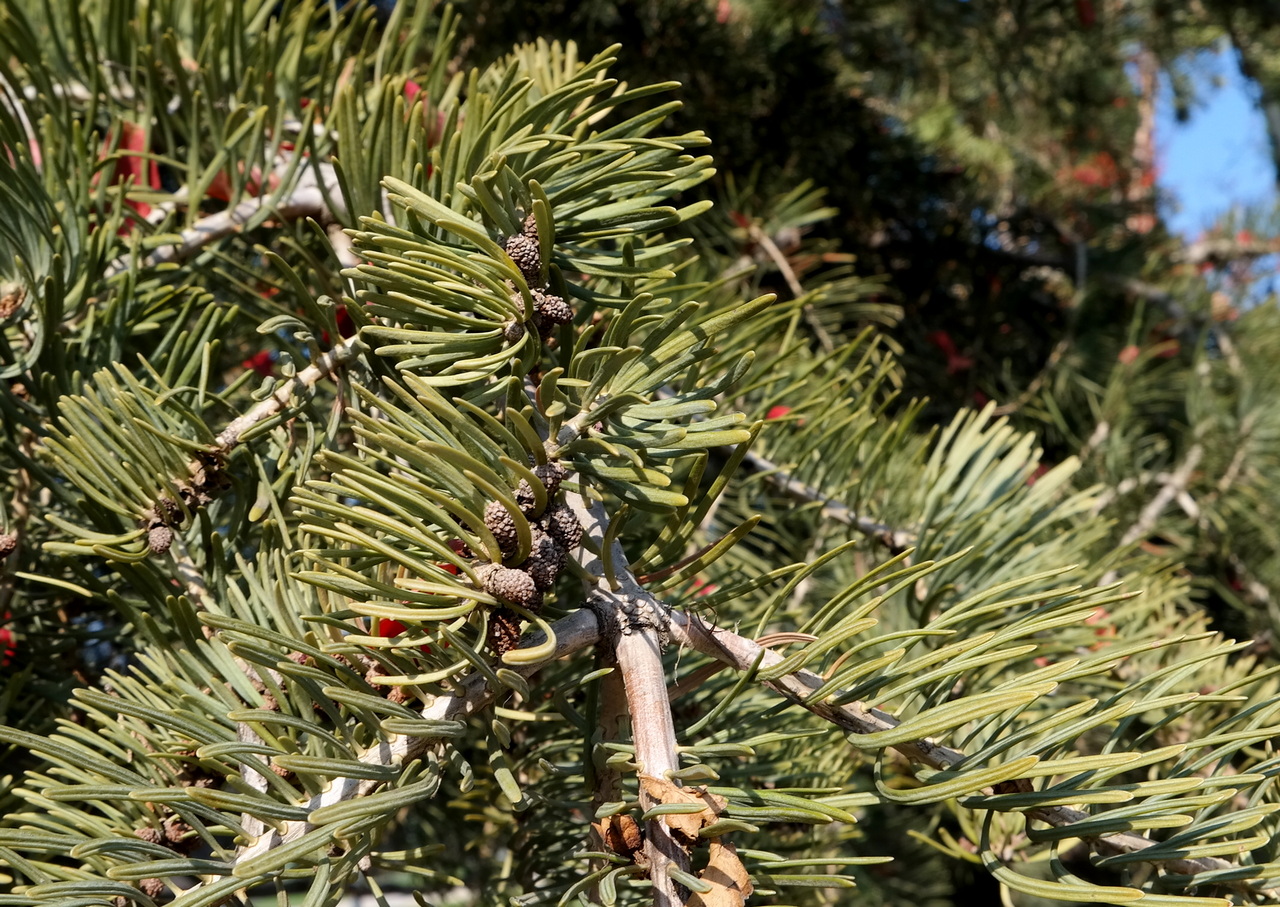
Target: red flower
220	188
700	587
346	327
144	172
386	628
1097	172
1129	354
955	362
777	412
1085	12
8	647
261	362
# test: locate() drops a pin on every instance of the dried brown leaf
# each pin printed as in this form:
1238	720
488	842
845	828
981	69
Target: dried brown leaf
728	878
685	826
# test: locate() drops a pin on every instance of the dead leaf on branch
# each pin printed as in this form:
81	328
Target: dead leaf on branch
622	835
728	878
684	826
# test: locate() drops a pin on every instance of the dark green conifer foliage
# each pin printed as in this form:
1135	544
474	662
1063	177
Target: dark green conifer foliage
412	481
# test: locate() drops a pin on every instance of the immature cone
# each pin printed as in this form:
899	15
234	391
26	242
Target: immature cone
513	586
552	474
168	511
512	331
525	498
176	835
8	542
545	561
563	526
148	834
159	538
551	309
499	521
503	633
524	251
153	888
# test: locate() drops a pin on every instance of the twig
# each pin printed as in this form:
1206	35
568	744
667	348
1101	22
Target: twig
1141	189
634	622
741	653
573	632
1221	250
775	475
1055	356
696	679
1101	432
324	366
1175	485
307	198
189	573
765	241
611	711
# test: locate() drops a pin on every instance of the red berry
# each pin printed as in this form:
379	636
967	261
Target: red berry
386	628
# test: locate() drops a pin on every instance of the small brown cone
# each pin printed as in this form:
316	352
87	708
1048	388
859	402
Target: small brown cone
513	586
551	309
512	331
552	474
563	526
503	633
499	521
524	251
545	561
159	538
153	888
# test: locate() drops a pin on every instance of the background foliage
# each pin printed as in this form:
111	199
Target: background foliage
875	338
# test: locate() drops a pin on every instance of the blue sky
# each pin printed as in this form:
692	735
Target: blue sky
1219	159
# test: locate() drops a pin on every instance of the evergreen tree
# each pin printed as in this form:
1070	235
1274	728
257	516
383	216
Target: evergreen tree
412	480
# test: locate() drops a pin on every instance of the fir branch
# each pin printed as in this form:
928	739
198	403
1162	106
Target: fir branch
1223	250
189	574
724	645
573	632
894	539
741	653
309	196
635	622
1175	485
341	354
765	241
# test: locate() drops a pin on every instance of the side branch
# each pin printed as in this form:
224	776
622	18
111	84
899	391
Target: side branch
1170	490
308	197
573	632
741	653
635	622
309	377
894	539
